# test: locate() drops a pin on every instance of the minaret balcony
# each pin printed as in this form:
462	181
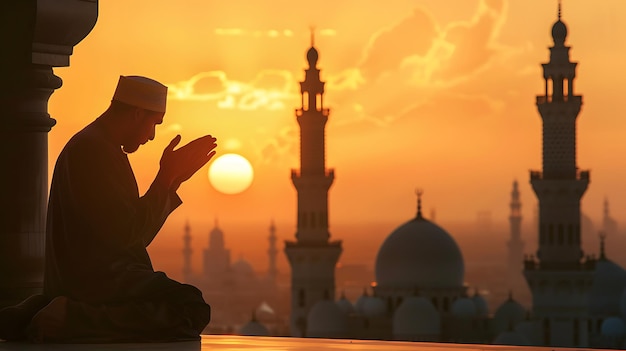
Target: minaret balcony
543	99
580	175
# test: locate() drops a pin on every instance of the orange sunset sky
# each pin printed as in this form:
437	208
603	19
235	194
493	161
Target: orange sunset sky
432	94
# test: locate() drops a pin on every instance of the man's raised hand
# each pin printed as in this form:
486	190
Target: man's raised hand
179	165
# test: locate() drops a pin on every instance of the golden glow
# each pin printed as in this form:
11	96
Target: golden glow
231	174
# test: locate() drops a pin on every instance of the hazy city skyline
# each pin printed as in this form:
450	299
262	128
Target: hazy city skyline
455	88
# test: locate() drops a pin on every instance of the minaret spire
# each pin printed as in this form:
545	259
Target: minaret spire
312	29
602	245
312	278
419	193
187	251
272	272
559	187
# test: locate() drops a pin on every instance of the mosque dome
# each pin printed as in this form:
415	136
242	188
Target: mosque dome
608	284
511	338
482	309
414	318
312	56
464	308
419	254
613	327
508	315
345	305
243	268
254	328
374	307
359	306
326	320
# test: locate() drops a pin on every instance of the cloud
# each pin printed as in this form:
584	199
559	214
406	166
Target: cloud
270	89
271	33
389	47
276	148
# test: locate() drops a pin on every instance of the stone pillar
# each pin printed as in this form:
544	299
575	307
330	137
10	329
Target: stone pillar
35	36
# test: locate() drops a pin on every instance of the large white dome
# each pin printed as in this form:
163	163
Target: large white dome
345	305
326	320
374	307
419	254
613	327
415	319
482	309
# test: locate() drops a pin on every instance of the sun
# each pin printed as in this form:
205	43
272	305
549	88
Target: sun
231	174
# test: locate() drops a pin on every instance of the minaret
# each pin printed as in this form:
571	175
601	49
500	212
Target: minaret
515	244
561	277
608	223
187	253
272	272
312	256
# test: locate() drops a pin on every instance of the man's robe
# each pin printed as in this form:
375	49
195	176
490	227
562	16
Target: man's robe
98	228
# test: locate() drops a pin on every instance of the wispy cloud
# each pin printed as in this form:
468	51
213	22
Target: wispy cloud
269	90
270	33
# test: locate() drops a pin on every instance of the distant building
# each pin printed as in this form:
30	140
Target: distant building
609	225
515	245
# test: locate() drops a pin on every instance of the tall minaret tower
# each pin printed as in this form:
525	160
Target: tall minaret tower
560	279
272	272
515	244
187	251
312	256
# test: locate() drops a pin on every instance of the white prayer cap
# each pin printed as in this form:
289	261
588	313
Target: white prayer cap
142	92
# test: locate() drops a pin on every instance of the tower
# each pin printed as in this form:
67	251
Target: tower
272	272
560	278
187	251
216	257
515	244
312	255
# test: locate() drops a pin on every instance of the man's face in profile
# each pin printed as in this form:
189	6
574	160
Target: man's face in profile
144	129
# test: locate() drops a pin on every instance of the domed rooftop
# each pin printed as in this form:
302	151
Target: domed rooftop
464	308
254	328
345	305
326	320
508	315
482	309
419	254
243	268
416	317
374	307
511	338
608	284
359	306
613	327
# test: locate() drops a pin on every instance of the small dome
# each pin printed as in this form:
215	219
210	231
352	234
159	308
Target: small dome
415	318
254	328
312	56
419	254
508	315
326	320
511	338
375	307
609	282
345	305
243	267
613	327
559	32
482	309
464	308
359	306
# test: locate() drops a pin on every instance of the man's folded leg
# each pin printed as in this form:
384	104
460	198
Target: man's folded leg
15	319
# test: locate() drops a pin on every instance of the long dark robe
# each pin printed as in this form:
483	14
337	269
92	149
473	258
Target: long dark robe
97	232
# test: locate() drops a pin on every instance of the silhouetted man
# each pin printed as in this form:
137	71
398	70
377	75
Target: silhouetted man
99	284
